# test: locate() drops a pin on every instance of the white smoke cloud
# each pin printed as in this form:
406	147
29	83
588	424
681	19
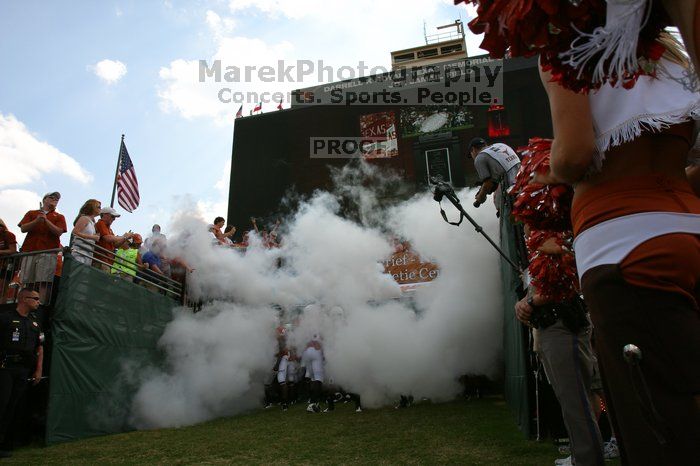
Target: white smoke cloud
375	344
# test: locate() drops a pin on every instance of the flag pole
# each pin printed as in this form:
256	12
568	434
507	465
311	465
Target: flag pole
116	172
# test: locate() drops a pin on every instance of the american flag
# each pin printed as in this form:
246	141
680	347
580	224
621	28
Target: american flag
127	184
239	113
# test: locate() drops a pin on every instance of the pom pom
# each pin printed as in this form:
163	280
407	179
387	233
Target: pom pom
549	27
540	206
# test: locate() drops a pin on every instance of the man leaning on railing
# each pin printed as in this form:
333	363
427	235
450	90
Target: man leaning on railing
108	240
44	228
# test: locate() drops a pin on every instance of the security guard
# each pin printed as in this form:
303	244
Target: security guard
21	359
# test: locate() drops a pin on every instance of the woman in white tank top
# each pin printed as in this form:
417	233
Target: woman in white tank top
84	236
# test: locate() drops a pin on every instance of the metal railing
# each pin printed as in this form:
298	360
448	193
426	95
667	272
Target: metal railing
36	270
106	260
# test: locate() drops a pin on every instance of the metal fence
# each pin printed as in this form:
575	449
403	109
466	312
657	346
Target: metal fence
36	270
90	254
40	270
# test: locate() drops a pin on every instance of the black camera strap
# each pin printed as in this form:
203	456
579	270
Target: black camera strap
444	216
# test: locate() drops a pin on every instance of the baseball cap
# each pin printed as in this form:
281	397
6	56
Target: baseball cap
110	211
56	195
476	142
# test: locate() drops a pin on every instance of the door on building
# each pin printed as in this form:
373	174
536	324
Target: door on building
437	162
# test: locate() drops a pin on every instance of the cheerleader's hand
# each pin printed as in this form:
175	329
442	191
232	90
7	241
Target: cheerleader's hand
551	246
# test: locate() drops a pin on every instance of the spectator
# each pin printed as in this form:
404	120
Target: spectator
221	237
155	234
128	259
8	241
153	260
227	239
8	245
108	240
84	228
44	228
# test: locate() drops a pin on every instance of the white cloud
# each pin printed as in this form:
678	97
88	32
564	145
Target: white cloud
212	208
14	203
223	184
316	30
110	71
181	91
24	158
219	25
118	11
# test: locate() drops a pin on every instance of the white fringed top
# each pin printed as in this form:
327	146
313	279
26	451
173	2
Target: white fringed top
653	104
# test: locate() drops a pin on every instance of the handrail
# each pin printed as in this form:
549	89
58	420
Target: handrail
13	277
30	253
98	254
130	264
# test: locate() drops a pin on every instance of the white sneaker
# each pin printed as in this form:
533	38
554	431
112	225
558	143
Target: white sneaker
563	462
358	410
310	408
610	450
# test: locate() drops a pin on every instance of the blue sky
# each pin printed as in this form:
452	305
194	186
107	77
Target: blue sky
62	114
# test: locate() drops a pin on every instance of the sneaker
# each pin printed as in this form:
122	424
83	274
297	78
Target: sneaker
269	405
565	449
310	408
316	408
326	410
358	410
564	461
610	450
285	407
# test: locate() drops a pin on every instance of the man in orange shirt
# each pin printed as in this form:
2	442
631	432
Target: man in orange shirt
44	228
108	240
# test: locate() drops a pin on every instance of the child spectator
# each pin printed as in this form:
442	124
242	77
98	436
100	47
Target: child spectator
128	259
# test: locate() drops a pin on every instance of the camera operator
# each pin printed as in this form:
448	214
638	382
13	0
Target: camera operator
496	166
553	305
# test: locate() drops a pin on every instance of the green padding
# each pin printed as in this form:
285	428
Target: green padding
514	346
104	328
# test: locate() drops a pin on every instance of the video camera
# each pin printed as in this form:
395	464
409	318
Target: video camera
442	189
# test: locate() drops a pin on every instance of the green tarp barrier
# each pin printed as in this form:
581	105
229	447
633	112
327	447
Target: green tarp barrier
104	330
514	345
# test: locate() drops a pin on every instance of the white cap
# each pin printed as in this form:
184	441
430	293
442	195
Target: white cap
110	211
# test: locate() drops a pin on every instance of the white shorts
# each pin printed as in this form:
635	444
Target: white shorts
292	370
282	369
313	360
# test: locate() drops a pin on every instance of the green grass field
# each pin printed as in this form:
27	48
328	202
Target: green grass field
460	432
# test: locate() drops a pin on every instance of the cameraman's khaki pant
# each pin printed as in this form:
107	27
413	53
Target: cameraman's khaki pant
568	361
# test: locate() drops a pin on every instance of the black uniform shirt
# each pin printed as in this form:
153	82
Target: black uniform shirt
20	336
